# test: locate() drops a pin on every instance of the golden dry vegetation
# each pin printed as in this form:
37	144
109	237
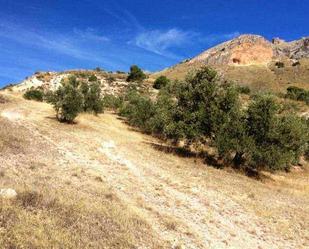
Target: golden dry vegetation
100	184
257	77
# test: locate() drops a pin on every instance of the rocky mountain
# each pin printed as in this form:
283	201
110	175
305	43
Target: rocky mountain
254	61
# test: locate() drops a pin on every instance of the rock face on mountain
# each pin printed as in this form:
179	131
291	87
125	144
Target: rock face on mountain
253	61
253	50
292	50
244	50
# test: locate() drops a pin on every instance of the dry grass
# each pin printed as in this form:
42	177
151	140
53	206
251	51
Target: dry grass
74	190
49	212
258	78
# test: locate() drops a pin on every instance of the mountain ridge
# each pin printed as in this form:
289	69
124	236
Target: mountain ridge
254	61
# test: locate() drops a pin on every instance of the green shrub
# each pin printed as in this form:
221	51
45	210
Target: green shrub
138	110
112	101
297	93
34	94
243	89
93	100
67	100
160	82
136	74
278	140
199	110
191	116
92	78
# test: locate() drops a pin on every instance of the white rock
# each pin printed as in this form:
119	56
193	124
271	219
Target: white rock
8	193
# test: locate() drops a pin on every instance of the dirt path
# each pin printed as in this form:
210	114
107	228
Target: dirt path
187	203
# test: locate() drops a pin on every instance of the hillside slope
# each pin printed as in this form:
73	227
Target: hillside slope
253	61
111	83
122	189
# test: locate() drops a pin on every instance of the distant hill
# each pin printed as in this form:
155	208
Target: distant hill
254	61
112	83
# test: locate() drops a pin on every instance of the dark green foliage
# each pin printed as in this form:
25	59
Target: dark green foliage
136	74
92	78
34	94
278	140
138	110
297	93
93	101
67	100
112	101
243	89
160	82
162	117
279	64
195	96
98	69
199	110
261	116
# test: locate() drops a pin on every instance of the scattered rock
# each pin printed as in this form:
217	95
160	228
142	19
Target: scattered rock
8	193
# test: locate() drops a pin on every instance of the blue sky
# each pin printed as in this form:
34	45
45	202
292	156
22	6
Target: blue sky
61	34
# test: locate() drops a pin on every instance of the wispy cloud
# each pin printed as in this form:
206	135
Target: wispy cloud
70	44
159	42
90	34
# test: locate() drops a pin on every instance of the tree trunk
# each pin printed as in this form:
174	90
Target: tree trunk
237	160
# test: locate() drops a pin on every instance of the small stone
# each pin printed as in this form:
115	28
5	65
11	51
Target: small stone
8	193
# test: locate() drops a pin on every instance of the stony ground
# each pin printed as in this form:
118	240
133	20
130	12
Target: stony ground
180	201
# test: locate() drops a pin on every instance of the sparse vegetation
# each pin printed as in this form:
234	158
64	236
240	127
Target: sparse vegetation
297	93
279	64
93	101
67	100
244	89
112	101
92	78
136	74
160	82
74	97
34	94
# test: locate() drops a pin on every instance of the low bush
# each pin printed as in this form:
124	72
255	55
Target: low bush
138	110
112	101
92	78
243	89
279	64
297	93
92	96
136	74
160	82
67	100
34	94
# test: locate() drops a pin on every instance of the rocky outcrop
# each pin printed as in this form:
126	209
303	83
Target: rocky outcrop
294	50
253	50
111	83
244	50
8	193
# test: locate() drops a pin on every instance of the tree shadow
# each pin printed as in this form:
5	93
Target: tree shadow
210	160
62	122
